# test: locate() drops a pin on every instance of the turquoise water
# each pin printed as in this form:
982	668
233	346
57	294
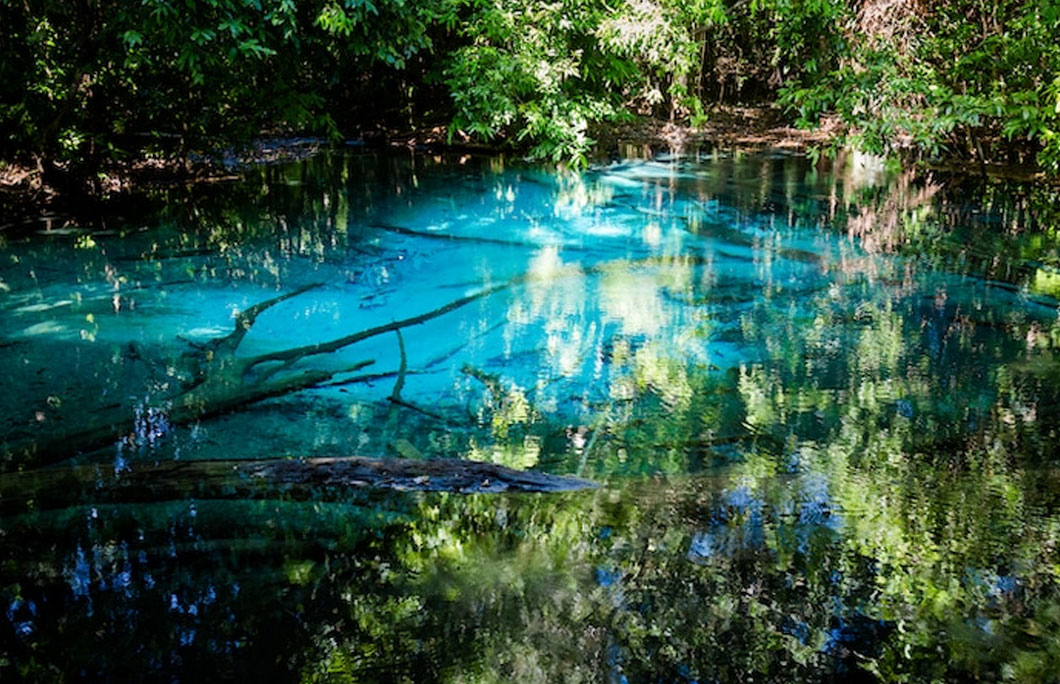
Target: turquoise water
821	406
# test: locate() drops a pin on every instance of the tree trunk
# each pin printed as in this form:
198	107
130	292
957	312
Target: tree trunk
318	479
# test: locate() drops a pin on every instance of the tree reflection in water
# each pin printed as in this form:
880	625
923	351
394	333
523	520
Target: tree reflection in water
823	406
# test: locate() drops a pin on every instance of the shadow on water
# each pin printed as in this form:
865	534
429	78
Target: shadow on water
823	406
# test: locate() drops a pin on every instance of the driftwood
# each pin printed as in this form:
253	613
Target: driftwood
214	380
318	478
475	239
211	379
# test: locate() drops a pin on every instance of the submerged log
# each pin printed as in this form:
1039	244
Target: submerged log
214	380
210	378
314	478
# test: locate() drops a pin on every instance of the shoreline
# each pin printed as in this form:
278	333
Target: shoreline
25	196
747	129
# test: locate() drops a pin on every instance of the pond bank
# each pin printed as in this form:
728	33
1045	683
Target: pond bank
744	128
26	193
24	187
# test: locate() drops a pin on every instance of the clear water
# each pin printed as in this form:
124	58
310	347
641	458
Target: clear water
823	408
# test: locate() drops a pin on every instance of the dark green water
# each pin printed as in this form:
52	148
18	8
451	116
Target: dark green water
823	408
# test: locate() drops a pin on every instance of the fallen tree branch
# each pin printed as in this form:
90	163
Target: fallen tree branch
430	414
335	345
460	347
492	381
316	478
246	318
357	379
216	381
395	396
449	237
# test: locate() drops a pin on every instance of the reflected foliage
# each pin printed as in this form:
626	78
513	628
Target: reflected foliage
824	405
962	81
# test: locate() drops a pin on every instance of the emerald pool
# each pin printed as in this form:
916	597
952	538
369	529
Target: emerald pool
822	406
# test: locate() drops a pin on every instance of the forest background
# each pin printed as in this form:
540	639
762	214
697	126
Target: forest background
91	85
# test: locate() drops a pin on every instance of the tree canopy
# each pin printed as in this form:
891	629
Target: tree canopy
90	81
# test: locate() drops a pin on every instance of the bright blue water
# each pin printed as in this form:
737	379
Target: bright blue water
823	406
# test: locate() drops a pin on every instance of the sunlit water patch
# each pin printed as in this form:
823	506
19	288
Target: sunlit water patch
823	408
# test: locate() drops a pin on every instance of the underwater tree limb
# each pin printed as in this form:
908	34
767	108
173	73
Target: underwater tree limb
449	237
395	396
476	239
430	414
246	318
491	381
216	394
335	345
445	356
210	379
363	378
218	381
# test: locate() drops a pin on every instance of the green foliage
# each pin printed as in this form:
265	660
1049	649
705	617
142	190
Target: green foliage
967	79
542	72
83	82
521	73
85	79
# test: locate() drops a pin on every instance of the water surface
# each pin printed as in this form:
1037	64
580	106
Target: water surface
823	406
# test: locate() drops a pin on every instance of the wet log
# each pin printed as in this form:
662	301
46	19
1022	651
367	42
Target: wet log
302	479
